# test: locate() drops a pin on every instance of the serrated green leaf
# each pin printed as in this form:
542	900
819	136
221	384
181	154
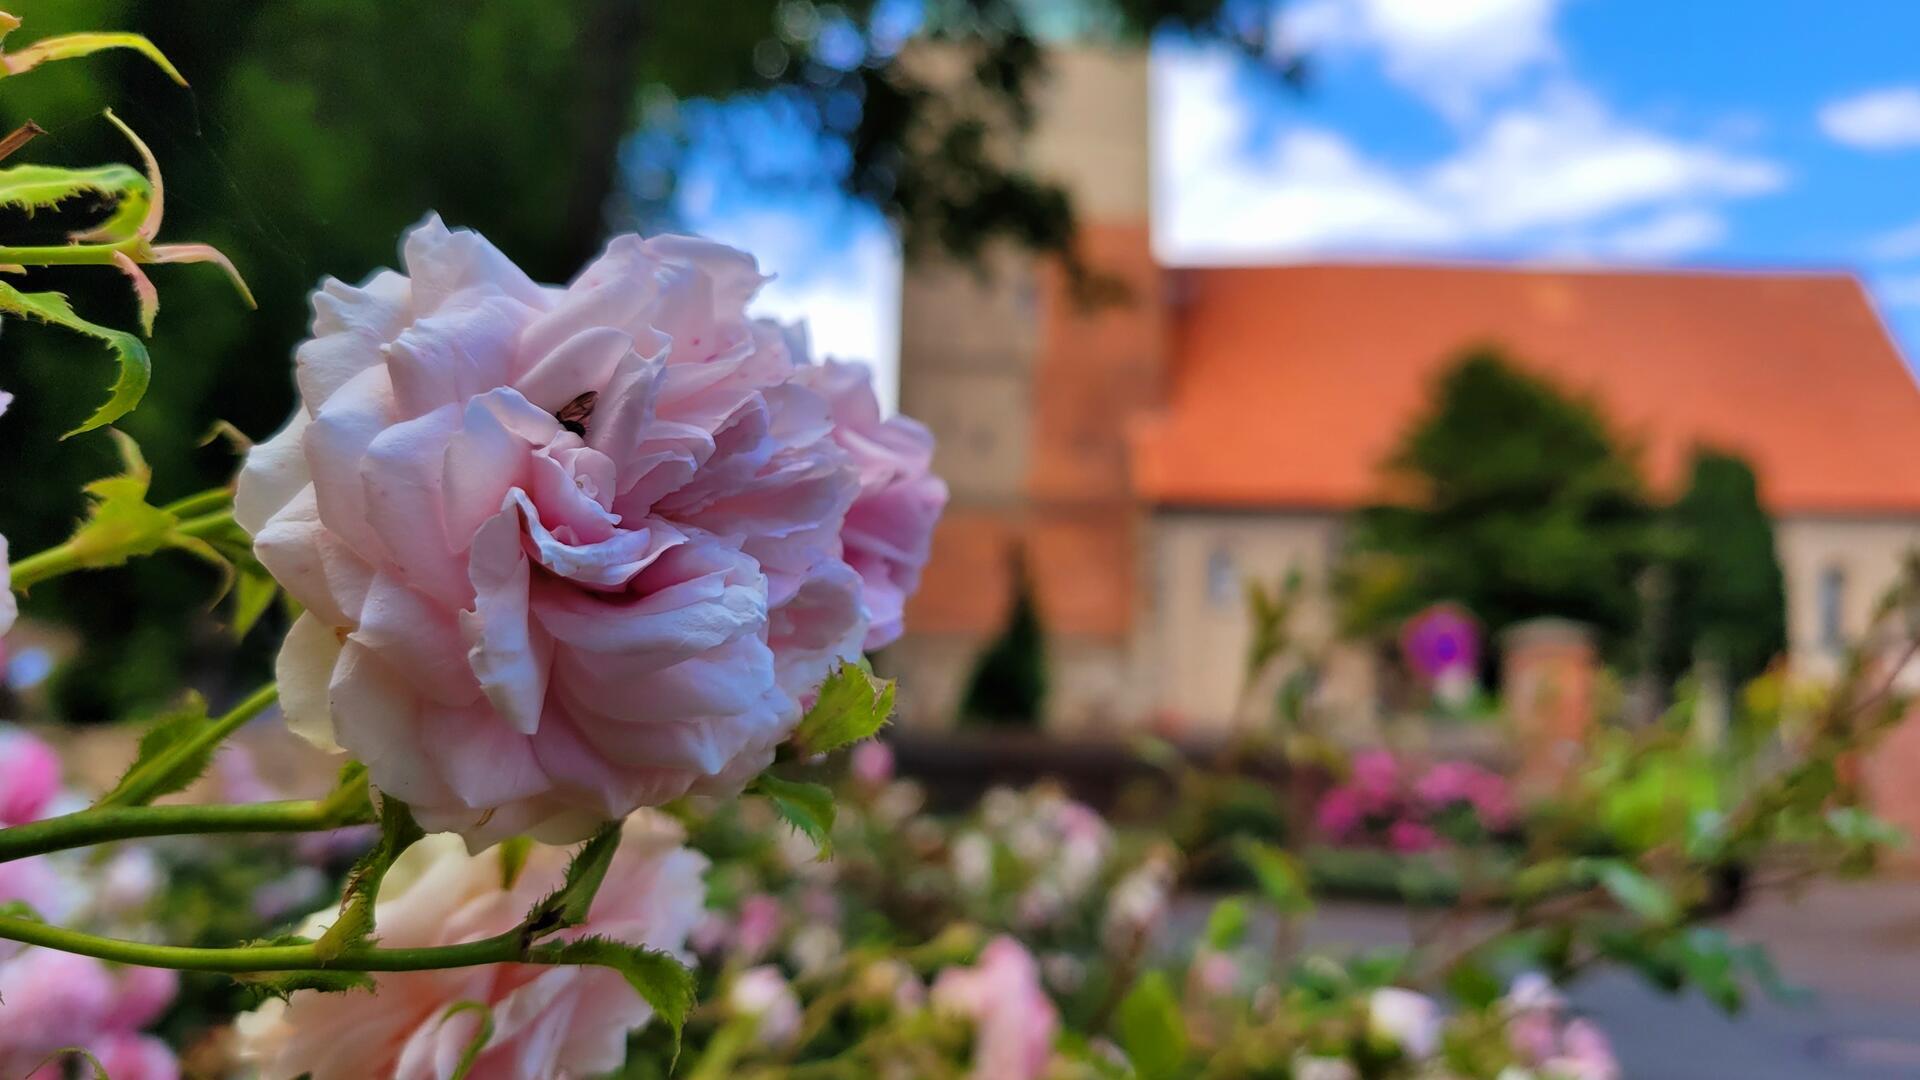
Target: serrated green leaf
120	523
1150	1029
570	904
1279	875
43	187
853	705
807	807
136	367
398	832
481	1036
657	977
170	757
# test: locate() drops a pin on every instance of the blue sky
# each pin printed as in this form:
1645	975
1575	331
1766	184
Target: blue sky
1760	133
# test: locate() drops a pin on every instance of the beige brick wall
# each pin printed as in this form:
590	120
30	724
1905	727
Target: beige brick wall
1865	552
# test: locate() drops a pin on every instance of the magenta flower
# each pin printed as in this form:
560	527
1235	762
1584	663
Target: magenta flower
1441	642
1411	837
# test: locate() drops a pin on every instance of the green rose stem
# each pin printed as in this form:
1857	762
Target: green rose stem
108	824
514	946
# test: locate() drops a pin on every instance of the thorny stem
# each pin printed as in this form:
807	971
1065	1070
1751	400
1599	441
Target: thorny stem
510	947
347	805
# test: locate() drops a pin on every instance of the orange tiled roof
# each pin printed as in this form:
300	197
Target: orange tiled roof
1291	384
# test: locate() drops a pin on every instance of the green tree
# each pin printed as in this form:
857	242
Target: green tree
1727	594
1522	504
1008	686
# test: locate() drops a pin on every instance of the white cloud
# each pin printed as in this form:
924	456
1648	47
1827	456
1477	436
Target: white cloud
1885	119
1667	235
1451	52
1559	172
847	292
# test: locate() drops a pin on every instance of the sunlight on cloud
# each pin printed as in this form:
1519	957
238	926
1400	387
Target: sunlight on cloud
1886	119
1558	172
1450	52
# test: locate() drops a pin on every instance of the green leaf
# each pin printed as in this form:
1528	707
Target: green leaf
573	900
806	807
1226	923
656	976
513	858
398	831
481	1035
120	523
1279	875
43	187
1634	890
72	46
853	705
171	756
1150	1029
136	367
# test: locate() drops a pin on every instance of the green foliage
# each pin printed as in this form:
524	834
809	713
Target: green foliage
1523	505
657	977
853	705
1727	598
1278	874
1151	1029
481	1035
355	925
570	904
1008	686
805	806
136	367
43	187
172	754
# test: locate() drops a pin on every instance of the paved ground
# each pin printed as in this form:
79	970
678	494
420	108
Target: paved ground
1856	946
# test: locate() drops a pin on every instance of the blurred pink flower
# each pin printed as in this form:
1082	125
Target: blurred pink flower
1585	1054
1449	783
871	764
1340	813
763	992
758	927
1411	837
29	775
547	1021
569	551
1014	1020
889	528
50	1000
1376	780
1408	1020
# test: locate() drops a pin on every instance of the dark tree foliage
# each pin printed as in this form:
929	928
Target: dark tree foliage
1008	686
1727	596
1522	504
315	131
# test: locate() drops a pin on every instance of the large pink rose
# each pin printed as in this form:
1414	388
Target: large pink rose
548	1022
564	552
889	528
1014	1020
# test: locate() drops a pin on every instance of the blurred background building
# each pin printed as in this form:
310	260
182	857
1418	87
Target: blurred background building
1133	462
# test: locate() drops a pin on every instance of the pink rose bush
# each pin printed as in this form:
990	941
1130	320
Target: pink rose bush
569	551
561	1021
1382	803
50	1000
1013	1019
